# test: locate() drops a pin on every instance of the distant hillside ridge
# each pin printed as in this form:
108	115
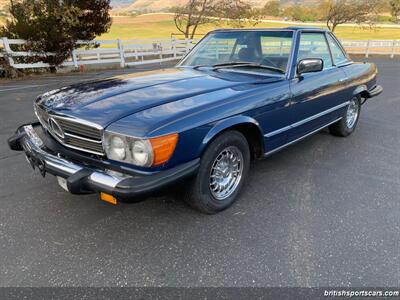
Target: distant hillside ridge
163	5
121	3
114	3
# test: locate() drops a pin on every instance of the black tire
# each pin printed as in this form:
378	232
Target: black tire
342	128
198	194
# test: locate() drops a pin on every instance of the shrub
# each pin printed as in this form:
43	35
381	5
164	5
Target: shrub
55	26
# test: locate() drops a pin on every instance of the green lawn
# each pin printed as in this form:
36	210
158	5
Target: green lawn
366	33
161	25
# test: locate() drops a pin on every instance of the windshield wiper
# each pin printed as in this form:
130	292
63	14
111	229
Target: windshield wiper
232	63
199	66
195	67
247	65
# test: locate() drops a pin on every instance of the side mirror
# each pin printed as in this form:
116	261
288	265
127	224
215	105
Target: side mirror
310	65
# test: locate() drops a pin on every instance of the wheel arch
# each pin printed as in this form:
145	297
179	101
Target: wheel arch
248	126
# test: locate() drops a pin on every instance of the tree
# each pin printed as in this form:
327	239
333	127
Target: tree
54	27
336	12
187	18
297	12
238	13
395	9
272	8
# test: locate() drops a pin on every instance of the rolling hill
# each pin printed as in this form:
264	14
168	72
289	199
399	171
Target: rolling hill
114	3
121	3
162	5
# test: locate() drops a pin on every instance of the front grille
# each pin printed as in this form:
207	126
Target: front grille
75	134
80	129
84	144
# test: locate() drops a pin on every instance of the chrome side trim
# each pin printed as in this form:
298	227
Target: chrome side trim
309	119
300	138
278	131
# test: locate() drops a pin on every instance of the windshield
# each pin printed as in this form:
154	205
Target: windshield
270	50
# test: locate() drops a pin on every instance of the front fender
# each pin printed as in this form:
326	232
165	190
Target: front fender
224	124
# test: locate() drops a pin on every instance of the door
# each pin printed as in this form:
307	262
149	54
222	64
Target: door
274	48
317	98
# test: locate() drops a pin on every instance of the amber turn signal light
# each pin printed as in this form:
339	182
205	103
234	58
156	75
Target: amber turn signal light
163	148
108	198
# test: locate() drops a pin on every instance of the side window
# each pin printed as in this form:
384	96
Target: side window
337	53
313	45
276	46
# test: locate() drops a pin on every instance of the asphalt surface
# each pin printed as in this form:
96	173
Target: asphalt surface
324	212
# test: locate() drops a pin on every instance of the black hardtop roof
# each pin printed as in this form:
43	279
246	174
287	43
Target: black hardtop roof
291	28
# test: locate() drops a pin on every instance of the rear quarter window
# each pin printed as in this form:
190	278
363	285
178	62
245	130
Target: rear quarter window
337	53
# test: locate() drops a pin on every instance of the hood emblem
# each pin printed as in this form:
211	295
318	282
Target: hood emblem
56	128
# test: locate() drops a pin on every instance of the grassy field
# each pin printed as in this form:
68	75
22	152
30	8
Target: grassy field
162	25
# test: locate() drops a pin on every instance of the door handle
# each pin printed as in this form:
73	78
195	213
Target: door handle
343	79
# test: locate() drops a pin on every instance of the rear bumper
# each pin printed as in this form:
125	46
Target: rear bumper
375	91
85	179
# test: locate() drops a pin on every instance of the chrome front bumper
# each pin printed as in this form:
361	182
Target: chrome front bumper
375	91
85	179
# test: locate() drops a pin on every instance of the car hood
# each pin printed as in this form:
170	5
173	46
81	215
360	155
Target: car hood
106	101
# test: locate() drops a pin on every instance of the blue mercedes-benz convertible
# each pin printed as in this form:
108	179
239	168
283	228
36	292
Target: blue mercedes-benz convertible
239	95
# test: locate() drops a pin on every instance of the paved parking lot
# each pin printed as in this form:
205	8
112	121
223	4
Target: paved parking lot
324	212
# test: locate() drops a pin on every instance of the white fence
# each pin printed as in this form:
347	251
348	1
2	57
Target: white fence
146	51
381	47
123	52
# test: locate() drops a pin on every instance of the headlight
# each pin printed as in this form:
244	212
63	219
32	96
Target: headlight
118	148
140	152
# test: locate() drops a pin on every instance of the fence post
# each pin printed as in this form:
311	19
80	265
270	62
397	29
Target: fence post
367	50
187	45
74	59
173	41
121	53
160	48
393	48
9	51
